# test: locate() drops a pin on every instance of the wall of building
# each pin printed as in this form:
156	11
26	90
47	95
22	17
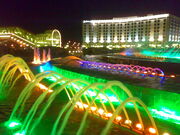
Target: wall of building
151	31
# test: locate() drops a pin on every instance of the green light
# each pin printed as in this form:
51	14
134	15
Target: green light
160	105
90	92
13	124
171	54
165	114
130	104
20	133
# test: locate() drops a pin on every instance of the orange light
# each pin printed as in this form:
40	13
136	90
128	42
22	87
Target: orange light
172	76
128	122
118	118
50	91
145	72
153	73
139	126
80	105
108	115
152	130
85	105
41	86
101	111
166	134
93	108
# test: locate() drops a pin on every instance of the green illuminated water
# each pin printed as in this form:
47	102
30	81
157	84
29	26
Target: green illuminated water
81	91
160	105
163	53
77	96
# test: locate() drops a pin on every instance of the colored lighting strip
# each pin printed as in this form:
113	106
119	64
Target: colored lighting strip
123	68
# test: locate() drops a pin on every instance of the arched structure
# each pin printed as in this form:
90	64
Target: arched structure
117	68
57	40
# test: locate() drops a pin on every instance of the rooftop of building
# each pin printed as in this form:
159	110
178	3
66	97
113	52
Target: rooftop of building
127	19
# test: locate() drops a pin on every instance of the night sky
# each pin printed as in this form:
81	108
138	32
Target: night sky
67	15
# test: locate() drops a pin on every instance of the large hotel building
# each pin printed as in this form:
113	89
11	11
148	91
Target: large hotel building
162	30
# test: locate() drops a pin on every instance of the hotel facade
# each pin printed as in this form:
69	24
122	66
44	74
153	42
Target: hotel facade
158	31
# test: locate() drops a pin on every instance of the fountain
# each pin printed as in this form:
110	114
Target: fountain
37	56
48	55
163	54
44	56
9	65
172	53
118	68
78	92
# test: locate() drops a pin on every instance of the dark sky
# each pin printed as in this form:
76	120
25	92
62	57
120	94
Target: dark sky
67	15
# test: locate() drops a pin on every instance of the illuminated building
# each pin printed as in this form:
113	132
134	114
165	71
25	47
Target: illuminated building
24	38
162	30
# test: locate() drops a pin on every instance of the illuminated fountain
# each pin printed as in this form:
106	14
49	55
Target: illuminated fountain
44	56
118	68
169	54
79	93
37	59
9	65
37	56
173	53
75	100
158	104
48	55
